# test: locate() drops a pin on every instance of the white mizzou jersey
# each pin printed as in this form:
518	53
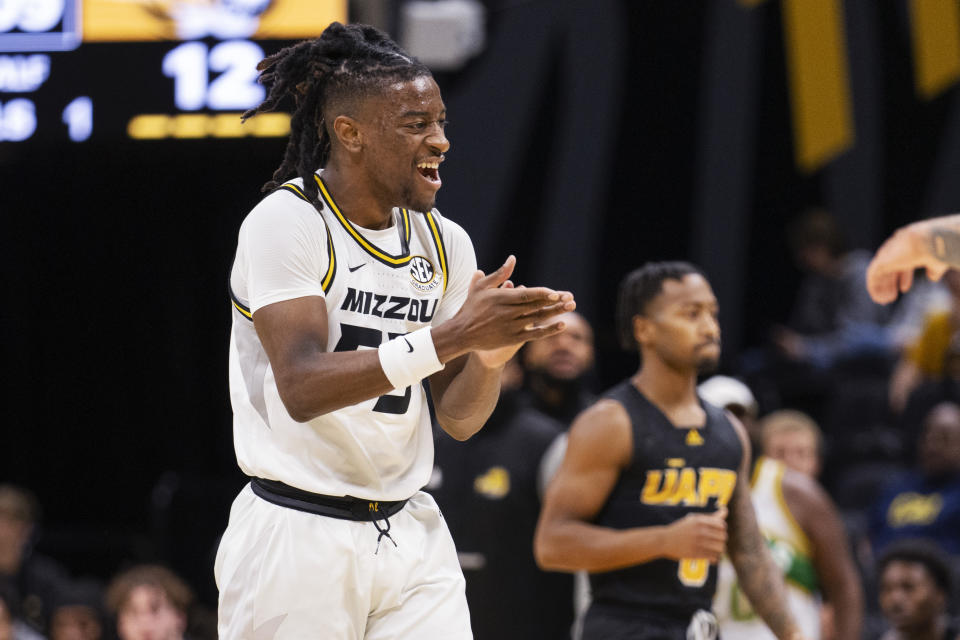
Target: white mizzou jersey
377	284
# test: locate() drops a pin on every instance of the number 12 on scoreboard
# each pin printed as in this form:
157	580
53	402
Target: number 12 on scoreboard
236	87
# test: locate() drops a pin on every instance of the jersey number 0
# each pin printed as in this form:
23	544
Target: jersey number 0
693	571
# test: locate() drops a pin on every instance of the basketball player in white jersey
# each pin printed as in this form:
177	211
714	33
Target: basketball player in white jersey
349	289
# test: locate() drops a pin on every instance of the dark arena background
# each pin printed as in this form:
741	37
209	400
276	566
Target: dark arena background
587	138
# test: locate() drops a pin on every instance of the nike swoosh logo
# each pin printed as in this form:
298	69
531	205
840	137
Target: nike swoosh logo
408	345
352	269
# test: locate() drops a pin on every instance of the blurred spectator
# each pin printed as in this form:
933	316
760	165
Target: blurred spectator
734	396
33	580
11	627
557	369
929	394
835	334
914	592
489	490
793	438
927	356
804	531
925	502
833	317
78	613
150	603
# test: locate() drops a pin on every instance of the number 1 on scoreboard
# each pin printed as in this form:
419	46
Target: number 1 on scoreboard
78	116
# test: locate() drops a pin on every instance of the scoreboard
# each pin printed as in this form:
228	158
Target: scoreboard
79	70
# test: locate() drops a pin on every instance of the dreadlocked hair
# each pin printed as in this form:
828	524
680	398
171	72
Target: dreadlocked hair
638	288
346	61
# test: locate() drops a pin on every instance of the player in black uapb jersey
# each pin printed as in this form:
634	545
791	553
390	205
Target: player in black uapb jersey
653	487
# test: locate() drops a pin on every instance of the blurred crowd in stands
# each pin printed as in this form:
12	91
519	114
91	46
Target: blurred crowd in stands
859	400
40	598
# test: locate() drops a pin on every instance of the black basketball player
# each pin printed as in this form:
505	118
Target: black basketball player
641	500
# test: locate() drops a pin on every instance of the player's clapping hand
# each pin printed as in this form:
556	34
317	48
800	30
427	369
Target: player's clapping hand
497	317
698	535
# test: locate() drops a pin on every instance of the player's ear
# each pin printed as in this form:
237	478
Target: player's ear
347	133
641	329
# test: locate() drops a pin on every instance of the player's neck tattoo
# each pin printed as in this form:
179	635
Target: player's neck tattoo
945	245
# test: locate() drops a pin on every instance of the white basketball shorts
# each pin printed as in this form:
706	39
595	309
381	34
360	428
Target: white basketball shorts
286	574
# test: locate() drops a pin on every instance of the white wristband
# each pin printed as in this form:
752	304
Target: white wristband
409	358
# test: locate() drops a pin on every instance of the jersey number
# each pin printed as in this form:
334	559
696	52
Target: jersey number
352	338
693	571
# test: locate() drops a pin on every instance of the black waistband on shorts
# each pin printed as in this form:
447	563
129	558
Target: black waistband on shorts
342	507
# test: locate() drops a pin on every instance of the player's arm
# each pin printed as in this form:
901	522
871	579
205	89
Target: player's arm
759	577
836	571
312	381
598	449
466	390
932	244
465	393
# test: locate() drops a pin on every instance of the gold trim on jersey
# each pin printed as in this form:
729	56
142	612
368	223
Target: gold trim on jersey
327	280
441	250
406	225
289	186
388	259
239	306
803	542
756	472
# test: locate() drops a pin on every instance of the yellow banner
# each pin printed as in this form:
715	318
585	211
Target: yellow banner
935	26
819	80
145	20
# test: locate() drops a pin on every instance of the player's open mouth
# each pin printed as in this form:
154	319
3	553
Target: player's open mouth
430	170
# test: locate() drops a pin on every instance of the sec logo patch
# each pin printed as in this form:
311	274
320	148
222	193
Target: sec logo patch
423	276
